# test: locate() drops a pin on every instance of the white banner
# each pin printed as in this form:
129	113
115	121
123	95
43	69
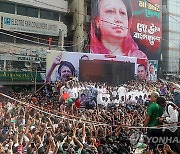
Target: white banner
54	59
32	25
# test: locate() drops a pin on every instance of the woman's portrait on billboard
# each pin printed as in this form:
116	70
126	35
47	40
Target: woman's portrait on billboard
65	70
110	28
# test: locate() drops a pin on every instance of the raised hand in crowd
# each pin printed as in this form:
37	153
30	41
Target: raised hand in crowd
77	129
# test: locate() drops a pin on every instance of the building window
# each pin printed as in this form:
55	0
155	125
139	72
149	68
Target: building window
7	7
27	11
49	15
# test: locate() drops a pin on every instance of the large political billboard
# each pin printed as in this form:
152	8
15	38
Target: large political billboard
61	66
126	27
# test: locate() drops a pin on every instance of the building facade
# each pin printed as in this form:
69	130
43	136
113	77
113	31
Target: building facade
27	30
171	37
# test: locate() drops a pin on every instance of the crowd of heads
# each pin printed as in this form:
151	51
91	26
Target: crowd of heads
68	118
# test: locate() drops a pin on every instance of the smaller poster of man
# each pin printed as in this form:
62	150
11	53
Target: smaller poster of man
152	70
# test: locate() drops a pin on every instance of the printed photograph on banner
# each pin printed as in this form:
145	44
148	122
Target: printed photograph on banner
142	72
142	69
60	67
152	70
126	28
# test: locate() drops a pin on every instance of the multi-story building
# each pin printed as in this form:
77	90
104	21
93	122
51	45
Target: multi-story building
171	37
27	29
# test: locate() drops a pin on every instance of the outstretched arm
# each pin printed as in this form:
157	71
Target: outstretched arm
56	62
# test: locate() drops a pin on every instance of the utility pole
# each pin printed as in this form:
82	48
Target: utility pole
78	21
60	40
36	66
35	82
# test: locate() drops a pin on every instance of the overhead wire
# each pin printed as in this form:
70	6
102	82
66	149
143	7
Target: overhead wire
34	37
45	44
22	38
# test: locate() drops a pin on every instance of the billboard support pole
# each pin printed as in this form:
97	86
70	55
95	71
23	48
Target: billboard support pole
35	83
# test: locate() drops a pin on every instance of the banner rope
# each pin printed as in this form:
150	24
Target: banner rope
64	116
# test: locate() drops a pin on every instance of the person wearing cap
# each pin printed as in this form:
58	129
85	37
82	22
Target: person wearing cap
154	111
170	115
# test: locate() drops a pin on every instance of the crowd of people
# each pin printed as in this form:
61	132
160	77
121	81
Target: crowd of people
82	117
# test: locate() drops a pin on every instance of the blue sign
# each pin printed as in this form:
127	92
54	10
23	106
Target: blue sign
7	21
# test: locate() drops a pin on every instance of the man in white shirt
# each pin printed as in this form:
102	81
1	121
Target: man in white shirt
121	91
170	115
114	92
72	91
